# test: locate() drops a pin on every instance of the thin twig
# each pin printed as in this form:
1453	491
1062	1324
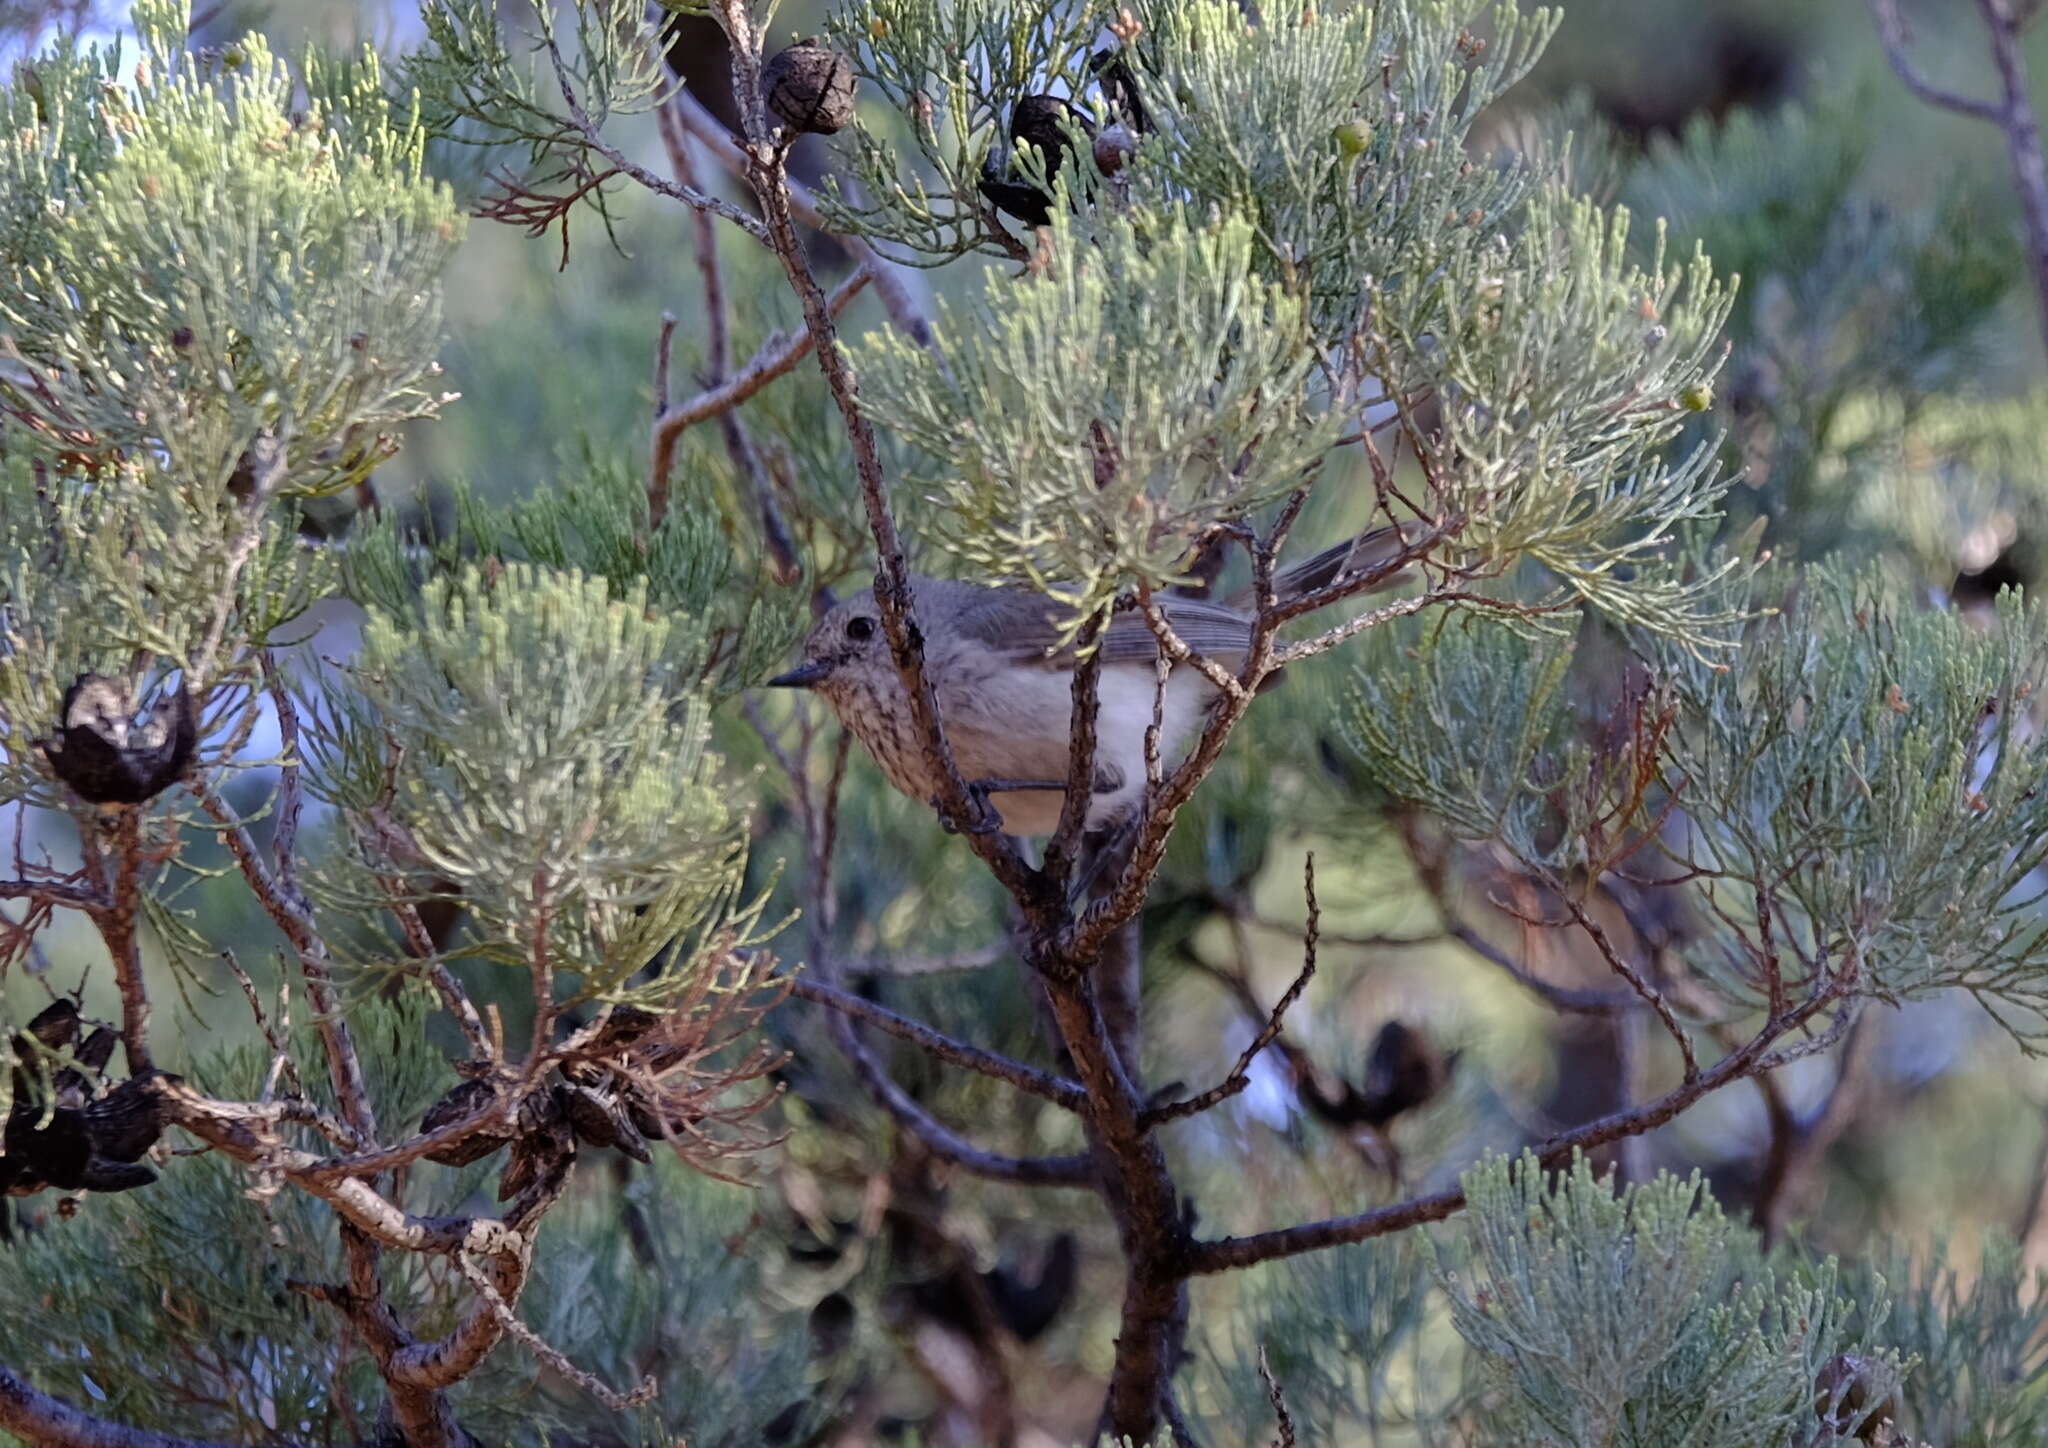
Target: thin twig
1229	1253
1891	30
1636	981
294	916
1283	1420
1056	1089
1240	1074
891	286
550	1355
2013	113
776	357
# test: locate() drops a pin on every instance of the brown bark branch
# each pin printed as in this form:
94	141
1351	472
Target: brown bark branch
117	925
289	910
739	446
765	173
2013	113
1240	1074
1558	997
1229	1253
44	1421
1891	30
944	1142
1150	1214
1056	1089
777	356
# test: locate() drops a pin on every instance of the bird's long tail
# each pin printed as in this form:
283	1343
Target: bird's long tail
1366	553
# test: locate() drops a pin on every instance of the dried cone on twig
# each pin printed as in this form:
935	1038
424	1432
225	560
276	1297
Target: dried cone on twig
108	754
809	87
543	1149
463	1101
592	1101
62	1132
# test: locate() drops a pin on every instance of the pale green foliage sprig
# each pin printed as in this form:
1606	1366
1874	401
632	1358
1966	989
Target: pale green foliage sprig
131	574
730	625
952	73
1878	763
1359	222
1089	425
537	743
1563	370
203	259
1637	1317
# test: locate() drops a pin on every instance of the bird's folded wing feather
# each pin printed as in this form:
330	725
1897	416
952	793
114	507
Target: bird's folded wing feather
1025	626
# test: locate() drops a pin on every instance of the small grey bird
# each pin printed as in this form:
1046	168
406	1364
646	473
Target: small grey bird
1004	684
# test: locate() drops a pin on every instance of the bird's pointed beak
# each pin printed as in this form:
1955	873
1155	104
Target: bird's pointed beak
803	676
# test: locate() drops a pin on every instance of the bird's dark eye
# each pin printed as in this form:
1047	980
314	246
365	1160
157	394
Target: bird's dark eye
860	629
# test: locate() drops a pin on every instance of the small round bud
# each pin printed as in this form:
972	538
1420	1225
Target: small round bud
809	87
877	27
1353	137
233	57
1697	398
1112	149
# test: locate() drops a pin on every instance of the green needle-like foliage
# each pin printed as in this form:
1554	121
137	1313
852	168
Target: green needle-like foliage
1343	130
537	743
203	259
734	624
1879	762
1472	722
1086	426
1641	1317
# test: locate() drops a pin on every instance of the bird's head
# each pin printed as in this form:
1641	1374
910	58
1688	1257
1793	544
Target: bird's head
844	651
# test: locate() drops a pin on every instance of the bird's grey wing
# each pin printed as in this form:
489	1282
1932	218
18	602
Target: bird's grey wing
1015	623
1208	628
1025	625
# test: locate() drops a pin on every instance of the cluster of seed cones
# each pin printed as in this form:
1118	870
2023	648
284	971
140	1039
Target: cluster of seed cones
588	1101
70	1127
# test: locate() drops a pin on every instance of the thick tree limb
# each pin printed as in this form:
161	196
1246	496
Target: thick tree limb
44	1421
